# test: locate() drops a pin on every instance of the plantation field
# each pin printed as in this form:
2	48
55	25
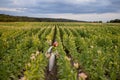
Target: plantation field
93	48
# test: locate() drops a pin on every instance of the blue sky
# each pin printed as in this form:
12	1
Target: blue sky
88	10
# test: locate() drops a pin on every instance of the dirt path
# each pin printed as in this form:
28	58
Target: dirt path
52	75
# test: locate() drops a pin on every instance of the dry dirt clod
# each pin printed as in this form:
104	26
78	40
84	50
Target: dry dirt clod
76	65
23	78
82	76
37	53
32	57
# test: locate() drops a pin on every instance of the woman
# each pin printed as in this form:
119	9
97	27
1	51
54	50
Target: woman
51	54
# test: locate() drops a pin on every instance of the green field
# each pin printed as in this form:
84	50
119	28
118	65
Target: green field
94	46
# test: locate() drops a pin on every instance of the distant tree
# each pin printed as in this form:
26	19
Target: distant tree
114	21
97	21
100	21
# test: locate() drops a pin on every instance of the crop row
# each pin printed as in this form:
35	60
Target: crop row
91	48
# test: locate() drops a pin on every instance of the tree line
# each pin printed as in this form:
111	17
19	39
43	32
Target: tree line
9	18
114	21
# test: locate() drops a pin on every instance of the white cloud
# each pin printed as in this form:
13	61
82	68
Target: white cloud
33	2
23	2
80	1
13	9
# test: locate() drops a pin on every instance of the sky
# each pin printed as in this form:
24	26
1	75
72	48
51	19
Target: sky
85	10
